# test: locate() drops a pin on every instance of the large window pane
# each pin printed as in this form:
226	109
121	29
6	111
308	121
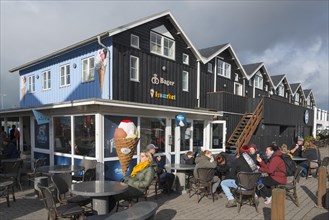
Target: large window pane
41	135
110	124
185	137
62	130
84	135
153	132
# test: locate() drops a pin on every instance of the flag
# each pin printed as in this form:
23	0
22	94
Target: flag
41	118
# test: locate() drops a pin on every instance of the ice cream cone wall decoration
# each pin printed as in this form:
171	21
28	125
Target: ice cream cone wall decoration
100	65
23	87
126	140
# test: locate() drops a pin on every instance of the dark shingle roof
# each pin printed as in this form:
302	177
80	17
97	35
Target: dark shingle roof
207	52
307	92
276	79
250	68
294	87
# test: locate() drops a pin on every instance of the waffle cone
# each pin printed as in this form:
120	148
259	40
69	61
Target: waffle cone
122	144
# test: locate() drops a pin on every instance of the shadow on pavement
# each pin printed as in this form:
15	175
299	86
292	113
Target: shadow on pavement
310	194
166	214
323	216
267	213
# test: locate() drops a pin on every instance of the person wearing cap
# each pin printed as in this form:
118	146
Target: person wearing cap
296	151
239	164
161	171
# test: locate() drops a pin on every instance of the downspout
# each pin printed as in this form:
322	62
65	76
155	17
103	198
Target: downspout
198	85
100	43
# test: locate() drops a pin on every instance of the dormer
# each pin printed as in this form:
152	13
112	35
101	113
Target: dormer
281	87
309	98
298	95
259	82
162	42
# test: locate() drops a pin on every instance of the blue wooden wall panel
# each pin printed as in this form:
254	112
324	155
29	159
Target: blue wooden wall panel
76	90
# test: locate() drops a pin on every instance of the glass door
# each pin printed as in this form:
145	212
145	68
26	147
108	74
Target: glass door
218	135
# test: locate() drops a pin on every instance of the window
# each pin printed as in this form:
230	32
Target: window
237	89
134	41
259	81
210	67
280	90
84	135
31	84
223	69
46	80
266	88
88	69
65	75
186	59
134	68
250	82
297	99
152	131
185	81
162	45
62	133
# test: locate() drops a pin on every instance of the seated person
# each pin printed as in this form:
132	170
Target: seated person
222	168
296	151
207	161
140	178
159	165
253	151
310	152
284	150
230	182
188	158
276	170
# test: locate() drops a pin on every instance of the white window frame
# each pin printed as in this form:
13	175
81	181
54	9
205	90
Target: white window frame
266	88
186	59
132	68
31	84
236	77
259	80
88	74
223	69
65	74
46	80
132	38
210	68
185	81
296	100
160	44
280	90
240	89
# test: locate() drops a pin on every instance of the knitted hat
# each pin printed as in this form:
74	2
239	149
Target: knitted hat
253	146
244	148
300	139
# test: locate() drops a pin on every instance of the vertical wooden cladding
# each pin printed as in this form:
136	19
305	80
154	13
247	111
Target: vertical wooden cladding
224	101
149	64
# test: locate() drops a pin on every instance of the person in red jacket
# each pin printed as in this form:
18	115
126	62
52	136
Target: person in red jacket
276	170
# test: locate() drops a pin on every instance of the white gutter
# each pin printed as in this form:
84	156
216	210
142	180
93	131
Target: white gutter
198	84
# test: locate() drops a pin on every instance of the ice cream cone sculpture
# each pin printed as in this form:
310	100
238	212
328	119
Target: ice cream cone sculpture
100	64
126	140
23	87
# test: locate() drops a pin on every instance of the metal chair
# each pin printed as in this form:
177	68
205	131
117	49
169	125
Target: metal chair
62	188
313	165
63	211
89	175
4	190
12	170
87	164
291	187
37	163
247	184
201	186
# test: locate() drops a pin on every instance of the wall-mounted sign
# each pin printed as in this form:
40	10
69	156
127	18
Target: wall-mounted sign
181	120
159	95
306	116
155	81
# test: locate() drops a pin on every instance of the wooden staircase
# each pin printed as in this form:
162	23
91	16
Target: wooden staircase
246	128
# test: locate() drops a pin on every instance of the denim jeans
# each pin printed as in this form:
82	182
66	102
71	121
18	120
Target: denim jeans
226	185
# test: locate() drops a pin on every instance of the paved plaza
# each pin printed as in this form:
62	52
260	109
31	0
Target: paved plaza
180	206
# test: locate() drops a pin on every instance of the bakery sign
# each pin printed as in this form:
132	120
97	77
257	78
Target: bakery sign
155	80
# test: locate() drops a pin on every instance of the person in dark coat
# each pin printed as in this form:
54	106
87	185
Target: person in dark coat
10	149
240	164
223	167
276	170
296	151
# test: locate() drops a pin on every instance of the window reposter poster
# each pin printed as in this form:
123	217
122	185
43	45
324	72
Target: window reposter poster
42	136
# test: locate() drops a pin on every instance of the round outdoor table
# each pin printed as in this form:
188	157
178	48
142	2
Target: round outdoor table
180	170
56	169
299	159
99	191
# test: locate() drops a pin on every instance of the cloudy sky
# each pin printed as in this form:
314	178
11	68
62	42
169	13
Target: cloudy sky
290	37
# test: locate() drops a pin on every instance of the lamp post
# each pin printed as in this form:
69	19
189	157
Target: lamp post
2	95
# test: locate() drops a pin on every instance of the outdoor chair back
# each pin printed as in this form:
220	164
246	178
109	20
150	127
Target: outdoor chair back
291	187
90	175
63	211
37	163
12	170
201	186
247	184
